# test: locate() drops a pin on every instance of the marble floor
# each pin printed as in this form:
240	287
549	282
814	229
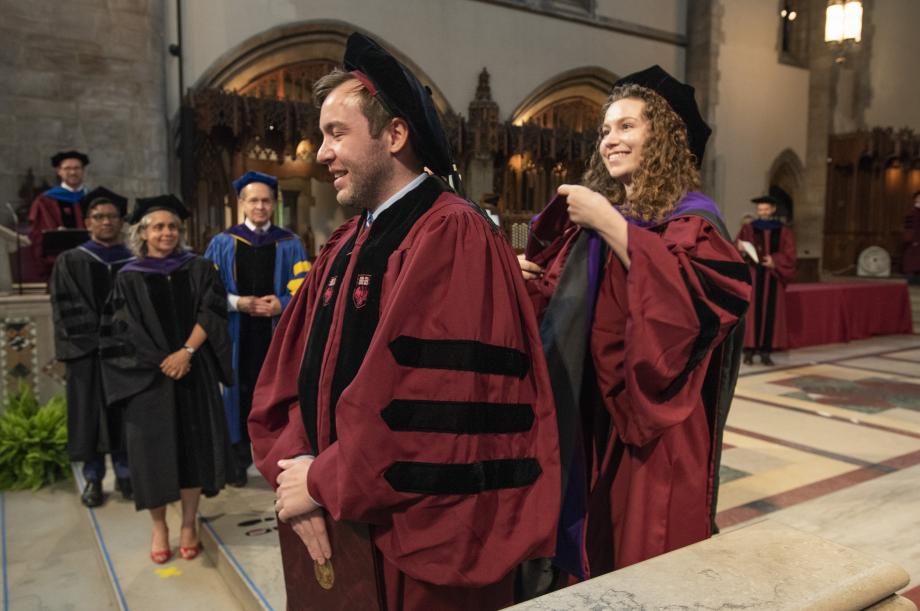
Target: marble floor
828	442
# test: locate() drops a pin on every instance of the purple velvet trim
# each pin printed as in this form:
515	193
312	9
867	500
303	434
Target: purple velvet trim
271	236
691	201
157	265
594	272
109	254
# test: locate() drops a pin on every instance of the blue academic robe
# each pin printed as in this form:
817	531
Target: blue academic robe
291	267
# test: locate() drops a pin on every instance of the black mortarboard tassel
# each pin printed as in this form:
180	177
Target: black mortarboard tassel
682	101
101	195
145	205
58	158
404	96
765	199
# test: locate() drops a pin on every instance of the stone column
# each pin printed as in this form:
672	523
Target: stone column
704	38
809	213
87	75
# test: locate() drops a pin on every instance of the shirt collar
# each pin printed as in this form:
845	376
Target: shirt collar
65	187
255	228
373	214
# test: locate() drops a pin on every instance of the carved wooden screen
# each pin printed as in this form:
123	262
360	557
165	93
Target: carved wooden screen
534	158
871	176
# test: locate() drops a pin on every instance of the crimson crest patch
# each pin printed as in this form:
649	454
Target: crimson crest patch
359	297
330	290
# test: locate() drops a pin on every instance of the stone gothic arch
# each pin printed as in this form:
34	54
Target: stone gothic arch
584	89
556	125
786	182
292	44
252	109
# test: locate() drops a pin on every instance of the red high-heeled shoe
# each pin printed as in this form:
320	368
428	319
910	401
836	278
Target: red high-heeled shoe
161	556
190	553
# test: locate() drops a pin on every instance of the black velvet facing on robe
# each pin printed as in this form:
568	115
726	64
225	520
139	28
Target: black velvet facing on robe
255	271
311	366
473	478
360	319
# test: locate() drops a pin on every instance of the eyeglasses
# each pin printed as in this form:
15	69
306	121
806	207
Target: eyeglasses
104	217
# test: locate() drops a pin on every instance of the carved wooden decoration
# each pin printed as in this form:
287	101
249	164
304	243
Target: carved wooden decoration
871	176
271	124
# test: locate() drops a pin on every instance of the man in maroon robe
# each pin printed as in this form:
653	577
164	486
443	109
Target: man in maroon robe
405	390
774	245
58	208
910	260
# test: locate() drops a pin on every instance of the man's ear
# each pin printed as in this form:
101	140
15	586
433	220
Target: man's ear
397	134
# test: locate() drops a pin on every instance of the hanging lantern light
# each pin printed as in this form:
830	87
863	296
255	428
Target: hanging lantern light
843	21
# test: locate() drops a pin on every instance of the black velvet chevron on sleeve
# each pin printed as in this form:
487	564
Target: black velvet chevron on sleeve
459	355
461	418
472	478
709	329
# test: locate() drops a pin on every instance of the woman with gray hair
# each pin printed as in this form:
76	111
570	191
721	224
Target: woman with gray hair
165	350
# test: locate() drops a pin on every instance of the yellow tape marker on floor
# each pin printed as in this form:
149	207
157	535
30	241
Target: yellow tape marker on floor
167	573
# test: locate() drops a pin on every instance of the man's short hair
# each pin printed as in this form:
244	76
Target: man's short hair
377	116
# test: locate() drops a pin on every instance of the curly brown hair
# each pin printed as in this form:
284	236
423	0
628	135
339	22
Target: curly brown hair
667	170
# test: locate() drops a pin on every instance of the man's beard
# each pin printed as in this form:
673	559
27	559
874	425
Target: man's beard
365	187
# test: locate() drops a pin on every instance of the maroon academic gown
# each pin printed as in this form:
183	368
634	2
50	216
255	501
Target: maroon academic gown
910	261
648	436
766	323
451	285
45	214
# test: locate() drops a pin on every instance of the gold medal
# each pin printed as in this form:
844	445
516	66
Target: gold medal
325	576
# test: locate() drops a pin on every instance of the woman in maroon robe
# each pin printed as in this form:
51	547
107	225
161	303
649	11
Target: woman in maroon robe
640	293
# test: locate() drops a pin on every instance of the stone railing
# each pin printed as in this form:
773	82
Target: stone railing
763	566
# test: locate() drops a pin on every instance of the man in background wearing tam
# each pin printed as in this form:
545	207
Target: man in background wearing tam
404	406
58	208
261	265
772	265
80	284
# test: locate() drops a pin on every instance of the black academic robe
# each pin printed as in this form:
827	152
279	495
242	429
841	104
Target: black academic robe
80	284
176	432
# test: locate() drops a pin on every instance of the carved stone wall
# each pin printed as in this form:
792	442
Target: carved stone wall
87	75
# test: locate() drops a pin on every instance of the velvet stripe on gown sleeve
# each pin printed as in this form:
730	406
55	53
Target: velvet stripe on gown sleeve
686	288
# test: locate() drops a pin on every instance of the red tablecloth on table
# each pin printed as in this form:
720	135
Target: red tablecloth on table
830	312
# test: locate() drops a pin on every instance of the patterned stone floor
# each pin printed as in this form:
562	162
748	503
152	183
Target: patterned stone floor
829	442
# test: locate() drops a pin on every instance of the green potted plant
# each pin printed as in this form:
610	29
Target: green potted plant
33	441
